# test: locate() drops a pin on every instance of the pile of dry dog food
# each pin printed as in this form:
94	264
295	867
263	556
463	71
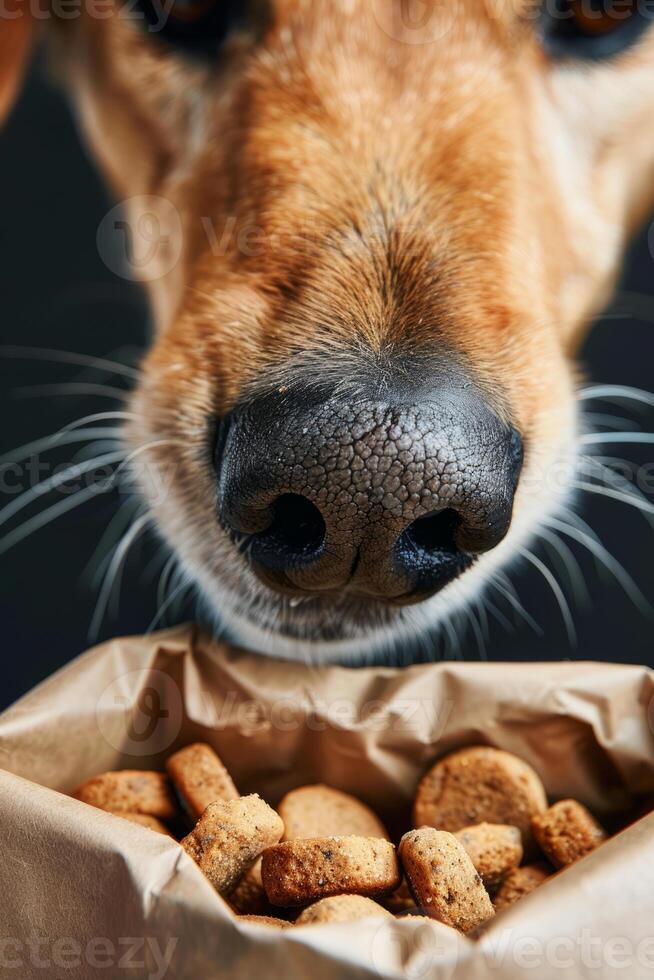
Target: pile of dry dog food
323	856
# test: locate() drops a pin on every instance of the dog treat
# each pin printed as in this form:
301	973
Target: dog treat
566	832
249	896
130	791
145	820
493	848
341	908
229	837
443	879
200	778
479	784
327	855
301	871
320	811
266	920
520	882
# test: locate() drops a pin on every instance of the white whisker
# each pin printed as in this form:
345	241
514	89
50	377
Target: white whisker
156	562
578	521
114	572
97	417
164	579
623	438
607	559
616	393
478	633
625	498
144	449
72	388
557	591
98	448
569	563
99	560
68	357
184	585
480	606
452	639
179	598
601	470
613	421
46	517
509	594
56	440
499	616
56	481
575	520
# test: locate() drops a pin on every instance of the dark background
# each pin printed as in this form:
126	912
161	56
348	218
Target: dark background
57	293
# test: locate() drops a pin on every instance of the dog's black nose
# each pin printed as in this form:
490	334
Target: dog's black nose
382	500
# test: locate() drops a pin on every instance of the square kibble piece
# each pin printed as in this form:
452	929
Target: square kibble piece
567	832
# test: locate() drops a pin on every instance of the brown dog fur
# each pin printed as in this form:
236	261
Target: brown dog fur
344	192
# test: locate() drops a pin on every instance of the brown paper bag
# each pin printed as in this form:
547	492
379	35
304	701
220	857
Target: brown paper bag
87	894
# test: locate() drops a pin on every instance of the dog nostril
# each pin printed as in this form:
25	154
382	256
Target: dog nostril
296	534
433	532
298	523
427	553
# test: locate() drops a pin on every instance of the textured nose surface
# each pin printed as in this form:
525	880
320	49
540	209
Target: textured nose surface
365	497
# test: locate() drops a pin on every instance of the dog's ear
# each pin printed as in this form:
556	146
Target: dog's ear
16	30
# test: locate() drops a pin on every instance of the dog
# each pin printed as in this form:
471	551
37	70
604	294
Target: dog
383	229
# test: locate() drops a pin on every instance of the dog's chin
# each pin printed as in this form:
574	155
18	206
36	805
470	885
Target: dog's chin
344	629
312	628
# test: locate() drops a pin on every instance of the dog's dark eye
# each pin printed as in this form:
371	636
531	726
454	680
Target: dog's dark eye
197	25
593	28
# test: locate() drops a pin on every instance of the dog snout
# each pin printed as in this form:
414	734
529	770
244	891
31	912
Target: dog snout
364	496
